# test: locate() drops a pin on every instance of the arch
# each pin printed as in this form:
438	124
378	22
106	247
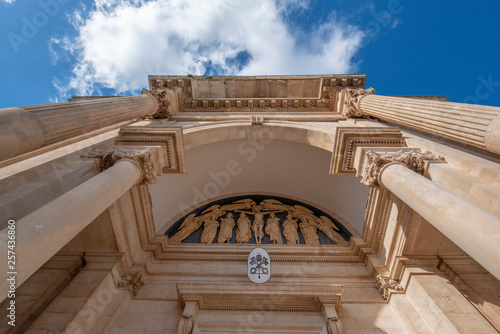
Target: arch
321	136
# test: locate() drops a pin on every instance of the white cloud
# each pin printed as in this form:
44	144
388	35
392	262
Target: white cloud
120	42
9	1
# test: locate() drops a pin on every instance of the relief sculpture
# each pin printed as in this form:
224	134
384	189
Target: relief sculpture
298	218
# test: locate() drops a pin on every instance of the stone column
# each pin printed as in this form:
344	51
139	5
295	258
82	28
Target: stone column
24	129
453	216
44	232
468	124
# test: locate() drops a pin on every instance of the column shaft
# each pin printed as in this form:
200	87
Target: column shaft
25	129
453	216
469	124
44	232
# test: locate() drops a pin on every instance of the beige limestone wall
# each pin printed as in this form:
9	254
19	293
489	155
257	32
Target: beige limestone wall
33	297
86	303
443	308
148	316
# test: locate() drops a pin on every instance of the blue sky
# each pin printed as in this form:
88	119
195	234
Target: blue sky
53	49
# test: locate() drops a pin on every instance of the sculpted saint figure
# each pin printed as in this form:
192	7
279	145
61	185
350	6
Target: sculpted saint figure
290	230
326	226
308	227
226	229
258	222
209	230
188	226
243	234
273	229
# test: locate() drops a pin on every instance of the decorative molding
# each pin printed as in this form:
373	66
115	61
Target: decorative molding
257	119
160	97
352	100
414	160
326	101
348	139
131	282
142	157
385	286
171	138
260	297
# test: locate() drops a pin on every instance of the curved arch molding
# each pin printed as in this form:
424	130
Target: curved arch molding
269	219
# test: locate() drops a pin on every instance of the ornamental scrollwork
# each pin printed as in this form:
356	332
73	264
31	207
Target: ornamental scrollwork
163	107
414	160
132	282
385	286
353	97
142	157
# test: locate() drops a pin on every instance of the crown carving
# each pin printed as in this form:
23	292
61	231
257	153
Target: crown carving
353	97
160	97
414	160
141	157
132	282
385	286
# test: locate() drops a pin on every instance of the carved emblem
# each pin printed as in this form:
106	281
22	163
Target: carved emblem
259	266
265	223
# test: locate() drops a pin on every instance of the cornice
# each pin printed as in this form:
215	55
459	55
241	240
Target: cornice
324	101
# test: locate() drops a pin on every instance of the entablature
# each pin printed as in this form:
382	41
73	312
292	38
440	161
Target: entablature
312	93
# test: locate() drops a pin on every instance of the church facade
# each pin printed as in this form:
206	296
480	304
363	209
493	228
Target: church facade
266	204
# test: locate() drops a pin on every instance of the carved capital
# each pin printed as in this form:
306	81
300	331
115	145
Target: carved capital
353	97
141	157
385	286
377	161
132	282
160	97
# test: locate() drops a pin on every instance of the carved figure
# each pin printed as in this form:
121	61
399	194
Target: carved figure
258	222
241	204
188	226
308	227
272	204
243	234
273	229
209	230
290	230
213	210
326	226
226	229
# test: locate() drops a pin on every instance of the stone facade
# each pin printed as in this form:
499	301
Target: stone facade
91	202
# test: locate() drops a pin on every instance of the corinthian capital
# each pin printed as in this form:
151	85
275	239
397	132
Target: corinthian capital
412	159
160	97
141	157
353	97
